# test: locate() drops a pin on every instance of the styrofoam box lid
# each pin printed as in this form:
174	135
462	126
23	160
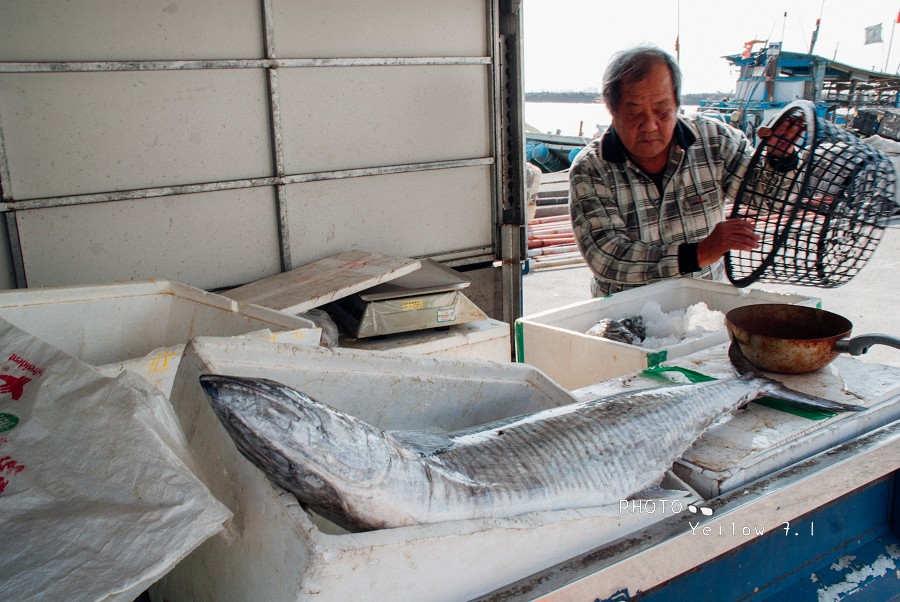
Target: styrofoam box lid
671	295
115	322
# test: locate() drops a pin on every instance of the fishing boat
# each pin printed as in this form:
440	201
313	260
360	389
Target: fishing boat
552	152
771	78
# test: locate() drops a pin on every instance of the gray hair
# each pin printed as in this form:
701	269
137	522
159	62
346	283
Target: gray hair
633	65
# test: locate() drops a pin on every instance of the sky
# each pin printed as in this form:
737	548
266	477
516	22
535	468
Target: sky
567	43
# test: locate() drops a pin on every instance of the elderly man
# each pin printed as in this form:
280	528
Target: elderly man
647	199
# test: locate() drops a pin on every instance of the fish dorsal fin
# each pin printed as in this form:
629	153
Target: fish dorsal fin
423	443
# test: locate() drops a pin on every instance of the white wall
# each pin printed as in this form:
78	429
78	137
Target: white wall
178	140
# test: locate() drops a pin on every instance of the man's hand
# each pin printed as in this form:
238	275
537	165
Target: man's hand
730	235
781	141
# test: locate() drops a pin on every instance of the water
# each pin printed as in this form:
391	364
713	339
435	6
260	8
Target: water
548	117
568	117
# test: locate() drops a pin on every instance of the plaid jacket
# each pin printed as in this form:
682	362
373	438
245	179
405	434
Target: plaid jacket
629	234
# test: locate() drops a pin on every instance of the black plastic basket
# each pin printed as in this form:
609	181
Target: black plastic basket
820	200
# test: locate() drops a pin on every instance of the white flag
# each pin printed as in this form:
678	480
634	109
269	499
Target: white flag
873	34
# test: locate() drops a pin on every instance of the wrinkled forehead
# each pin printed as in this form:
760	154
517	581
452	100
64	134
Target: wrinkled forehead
650	85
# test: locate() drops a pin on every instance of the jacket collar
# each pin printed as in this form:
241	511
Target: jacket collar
614	151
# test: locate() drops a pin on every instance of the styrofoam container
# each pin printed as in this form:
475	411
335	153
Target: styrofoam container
555	340
109	325
485	339
274	549
758	441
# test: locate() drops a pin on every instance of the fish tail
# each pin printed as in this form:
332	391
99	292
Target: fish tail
810	402
781	391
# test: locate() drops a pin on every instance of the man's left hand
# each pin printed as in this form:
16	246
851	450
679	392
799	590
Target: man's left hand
730	235
781	142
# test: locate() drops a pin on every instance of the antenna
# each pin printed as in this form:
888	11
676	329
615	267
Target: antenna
678	34
891	44
783	24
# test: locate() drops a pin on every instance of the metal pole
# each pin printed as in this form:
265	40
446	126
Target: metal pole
678	35
890	44
815	36
509	60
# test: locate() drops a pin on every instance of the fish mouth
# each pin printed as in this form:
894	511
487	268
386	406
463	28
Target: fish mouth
327	444
235	395
221	385
215	384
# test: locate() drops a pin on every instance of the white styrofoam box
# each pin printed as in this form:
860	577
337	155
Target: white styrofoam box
759	440
485	339
274	549
555	340
115	323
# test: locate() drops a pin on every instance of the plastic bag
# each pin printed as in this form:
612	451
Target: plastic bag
320	318
97	496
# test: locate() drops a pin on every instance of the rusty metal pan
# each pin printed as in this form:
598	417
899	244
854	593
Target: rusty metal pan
795	339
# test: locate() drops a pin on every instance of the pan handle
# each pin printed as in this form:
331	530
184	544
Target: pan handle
859	345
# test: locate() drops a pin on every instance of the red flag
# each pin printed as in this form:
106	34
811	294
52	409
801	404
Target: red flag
898	17
748	47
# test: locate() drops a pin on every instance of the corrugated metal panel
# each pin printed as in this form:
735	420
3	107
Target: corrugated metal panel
349	28
126	30
410	214
340	118
120	119
77	133
210	240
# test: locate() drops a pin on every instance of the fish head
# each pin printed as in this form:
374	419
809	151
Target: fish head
305	446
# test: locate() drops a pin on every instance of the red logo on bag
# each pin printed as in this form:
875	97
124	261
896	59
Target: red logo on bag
25	365
14	385
10	467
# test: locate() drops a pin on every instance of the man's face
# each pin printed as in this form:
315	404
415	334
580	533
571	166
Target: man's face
645	118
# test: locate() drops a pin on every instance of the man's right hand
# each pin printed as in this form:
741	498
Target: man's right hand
730	235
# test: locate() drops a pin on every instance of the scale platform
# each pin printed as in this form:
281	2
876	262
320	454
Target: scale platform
429	297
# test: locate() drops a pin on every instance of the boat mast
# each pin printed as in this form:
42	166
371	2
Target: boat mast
678	33
815	35
890	44
812	43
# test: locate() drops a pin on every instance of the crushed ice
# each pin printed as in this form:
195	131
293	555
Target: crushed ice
665	329
656	329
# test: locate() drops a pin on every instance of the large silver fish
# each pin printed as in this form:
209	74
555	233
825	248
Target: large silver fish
584	454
